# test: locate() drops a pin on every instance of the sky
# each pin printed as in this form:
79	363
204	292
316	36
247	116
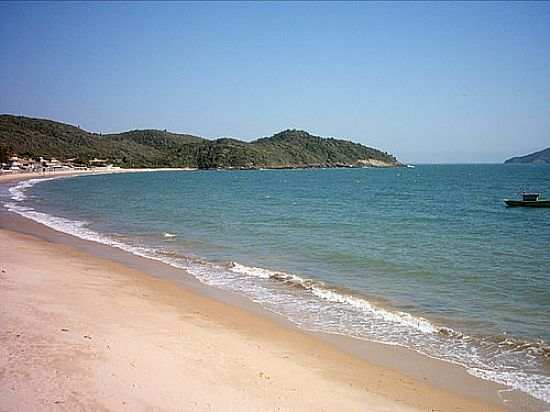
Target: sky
443	82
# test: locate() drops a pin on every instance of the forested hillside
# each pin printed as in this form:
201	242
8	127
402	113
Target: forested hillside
28	137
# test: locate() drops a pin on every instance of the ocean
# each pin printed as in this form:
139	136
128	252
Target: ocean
429	258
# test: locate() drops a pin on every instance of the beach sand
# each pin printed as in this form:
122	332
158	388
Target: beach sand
6	177
82	332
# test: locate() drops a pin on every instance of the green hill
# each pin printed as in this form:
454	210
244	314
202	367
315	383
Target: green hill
542	157
30	137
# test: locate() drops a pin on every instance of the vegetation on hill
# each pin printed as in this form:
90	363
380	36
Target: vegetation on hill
542	157
33	138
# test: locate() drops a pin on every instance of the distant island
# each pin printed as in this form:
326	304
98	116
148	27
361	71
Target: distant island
33	138
542	157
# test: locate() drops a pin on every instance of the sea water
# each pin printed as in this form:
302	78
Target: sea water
429	258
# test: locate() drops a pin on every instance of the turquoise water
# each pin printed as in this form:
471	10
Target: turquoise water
427	257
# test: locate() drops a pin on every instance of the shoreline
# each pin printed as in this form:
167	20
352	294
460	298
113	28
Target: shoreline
12	176
28	175
435	381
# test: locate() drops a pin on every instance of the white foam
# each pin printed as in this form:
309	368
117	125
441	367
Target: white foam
18	191
252	271
325	293
402	318
537	386
72	227
170	235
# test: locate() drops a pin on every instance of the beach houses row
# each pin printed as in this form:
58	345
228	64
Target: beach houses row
16	163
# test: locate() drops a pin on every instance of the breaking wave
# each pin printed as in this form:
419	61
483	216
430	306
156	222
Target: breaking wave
332	294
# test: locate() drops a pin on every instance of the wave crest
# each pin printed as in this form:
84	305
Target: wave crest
333	294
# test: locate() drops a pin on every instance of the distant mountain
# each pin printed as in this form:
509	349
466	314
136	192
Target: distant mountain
542	157
28	137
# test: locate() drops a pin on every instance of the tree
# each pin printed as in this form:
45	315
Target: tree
6	151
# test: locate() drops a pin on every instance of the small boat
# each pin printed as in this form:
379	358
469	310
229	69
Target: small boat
529	200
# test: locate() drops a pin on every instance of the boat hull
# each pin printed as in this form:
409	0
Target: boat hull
527	203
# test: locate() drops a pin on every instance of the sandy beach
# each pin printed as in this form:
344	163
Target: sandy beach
82	332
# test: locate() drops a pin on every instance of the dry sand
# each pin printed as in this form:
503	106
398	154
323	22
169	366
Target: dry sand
80	332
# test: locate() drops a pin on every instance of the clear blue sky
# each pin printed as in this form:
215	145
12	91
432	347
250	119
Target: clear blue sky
428	82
